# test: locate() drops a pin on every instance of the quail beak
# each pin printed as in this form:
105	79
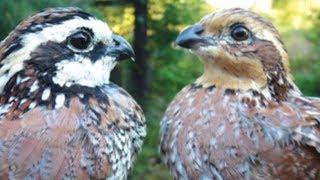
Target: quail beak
121	50
191	37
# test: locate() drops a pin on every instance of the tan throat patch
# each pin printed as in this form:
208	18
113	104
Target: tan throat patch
242	74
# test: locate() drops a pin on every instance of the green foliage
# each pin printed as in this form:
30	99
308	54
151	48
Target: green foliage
300	30
172	67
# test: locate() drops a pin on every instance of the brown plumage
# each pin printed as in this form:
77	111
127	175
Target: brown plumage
244	118
60	116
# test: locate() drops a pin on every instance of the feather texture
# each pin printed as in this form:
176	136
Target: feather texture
208	133
80	141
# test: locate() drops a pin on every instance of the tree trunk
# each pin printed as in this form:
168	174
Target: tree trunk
140	71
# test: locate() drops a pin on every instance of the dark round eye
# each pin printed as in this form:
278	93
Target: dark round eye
80	40
240	33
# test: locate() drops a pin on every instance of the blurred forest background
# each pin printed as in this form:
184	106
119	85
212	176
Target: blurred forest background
160	70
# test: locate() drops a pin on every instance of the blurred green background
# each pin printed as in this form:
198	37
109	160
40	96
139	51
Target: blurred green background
160	70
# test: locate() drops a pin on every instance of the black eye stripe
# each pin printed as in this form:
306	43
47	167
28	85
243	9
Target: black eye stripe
88	30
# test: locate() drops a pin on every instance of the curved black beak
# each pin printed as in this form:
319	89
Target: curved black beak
121	50
190	36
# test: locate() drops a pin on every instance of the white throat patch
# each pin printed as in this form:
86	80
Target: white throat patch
83	71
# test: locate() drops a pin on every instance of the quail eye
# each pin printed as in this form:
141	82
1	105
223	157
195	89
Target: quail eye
80	40
240	33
